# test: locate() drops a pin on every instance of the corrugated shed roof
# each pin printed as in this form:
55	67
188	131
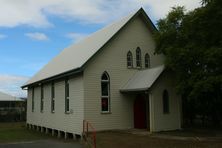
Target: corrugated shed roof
6	97
76	56
143	80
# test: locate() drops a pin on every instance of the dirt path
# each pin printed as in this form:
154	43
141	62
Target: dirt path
127	140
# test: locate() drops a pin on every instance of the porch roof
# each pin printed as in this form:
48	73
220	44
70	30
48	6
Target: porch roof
142	80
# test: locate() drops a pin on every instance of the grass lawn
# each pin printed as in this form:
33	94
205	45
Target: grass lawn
126	140
17	132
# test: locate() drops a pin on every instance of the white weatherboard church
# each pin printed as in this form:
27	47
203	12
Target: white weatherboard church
112	79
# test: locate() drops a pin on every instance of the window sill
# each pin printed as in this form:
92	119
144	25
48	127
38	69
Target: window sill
106	112
67	112
130	67
136	68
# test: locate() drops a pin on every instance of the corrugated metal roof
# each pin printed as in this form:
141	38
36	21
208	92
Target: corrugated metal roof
76	56
143	80
6	97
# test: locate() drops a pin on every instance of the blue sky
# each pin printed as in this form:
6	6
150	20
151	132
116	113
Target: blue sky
32	32
24	54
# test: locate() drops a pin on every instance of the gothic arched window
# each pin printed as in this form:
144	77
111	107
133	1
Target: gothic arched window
129	59
105	92
138	57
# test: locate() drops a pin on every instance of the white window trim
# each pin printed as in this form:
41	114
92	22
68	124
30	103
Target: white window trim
130	61
53	98
108	111
33	99
147	60
53	104
139	60
66	109
42	100
107	96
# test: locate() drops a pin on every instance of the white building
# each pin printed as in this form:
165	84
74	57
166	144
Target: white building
112	79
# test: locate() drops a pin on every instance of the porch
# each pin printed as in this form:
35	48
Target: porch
156	105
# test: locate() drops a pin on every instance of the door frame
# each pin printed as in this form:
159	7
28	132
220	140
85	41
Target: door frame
145	101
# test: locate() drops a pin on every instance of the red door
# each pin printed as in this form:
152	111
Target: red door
140	113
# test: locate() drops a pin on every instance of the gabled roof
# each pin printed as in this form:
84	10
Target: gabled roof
6	97
142	80
74	57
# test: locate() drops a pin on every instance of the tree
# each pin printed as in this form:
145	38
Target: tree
192	44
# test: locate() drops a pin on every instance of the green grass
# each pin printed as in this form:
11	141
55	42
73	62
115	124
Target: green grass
17	132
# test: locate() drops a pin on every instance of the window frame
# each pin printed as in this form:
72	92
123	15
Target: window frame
67	101
33	99
130	60
138	58
52	97
147	60
166	102
108	93
42	98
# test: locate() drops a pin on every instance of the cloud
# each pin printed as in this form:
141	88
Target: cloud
35	12
22	12
76	36
37	36
2	36
11	84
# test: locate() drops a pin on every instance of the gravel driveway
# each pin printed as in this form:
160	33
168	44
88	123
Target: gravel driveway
42	144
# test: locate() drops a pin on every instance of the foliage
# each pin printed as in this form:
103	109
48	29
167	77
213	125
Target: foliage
192	43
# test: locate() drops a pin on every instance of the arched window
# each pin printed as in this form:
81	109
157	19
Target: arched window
129	59
105	92
165	102
147	60
138	57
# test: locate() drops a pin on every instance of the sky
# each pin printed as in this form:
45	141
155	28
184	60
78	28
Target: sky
32	32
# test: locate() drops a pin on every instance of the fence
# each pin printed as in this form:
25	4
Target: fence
11	114
89	133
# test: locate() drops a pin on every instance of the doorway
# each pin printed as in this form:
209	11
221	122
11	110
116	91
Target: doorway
140	119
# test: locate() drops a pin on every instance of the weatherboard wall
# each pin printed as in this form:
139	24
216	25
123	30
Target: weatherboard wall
59	120
112	59
161	121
